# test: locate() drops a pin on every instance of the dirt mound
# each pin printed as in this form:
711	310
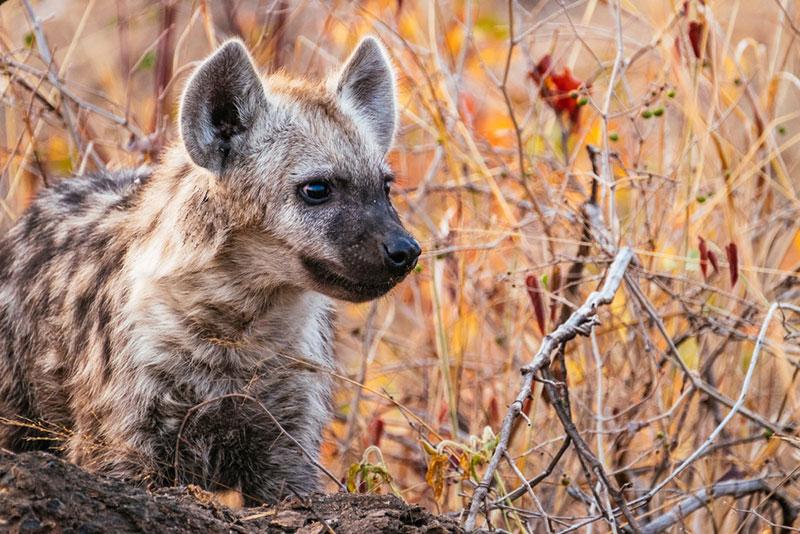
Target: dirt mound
41	493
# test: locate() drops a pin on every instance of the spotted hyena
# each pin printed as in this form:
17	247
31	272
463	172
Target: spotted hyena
174	324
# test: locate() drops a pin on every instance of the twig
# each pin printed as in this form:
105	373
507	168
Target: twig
728	488
734	409
580	322
603	239
47	57
520	491
163	63
529	489
117	119
605	164
561	406
696	380
518	131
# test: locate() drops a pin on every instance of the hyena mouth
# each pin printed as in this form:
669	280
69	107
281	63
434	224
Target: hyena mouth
345	287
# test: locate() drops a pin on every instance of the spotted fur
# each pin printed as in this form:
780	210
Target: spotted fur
188	305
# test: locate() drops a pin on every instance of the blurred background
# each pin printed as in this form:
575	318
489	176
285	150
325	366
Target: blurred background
508	128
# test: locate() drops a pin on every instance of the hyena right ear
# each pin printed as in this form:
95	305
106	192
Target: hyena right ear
220	104
366	85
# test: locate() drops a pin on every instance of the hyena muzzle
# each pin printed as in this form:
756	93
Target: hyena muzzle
173	324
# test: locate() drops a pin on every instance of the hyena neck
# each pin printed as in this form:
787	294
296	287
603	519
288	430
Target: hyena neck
191	266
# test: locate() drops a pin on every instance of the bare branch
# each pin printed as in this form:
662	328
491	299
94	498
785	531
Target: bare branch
579	323
728	488
734	409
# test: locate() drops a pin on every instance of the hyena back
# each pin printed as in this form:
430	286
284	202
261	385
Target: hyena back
174	324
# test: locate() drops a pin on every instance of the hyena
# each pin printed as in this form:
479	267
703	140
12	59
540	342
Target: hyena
175	324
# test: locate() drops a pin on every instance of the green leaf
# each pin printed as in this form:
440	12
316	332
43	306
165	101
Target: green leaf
148	61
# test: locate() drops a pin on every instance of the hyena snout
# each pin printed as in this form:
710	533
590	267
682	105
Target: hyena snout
400	252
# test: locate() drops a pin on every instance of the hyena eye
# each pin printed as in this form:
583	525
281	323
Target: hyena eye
315	192
387	187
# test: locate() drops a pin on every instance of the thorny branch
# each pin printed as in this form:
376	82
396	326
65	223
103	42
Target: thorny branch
47	57
579	323
734	409
727	488
520	491
559	394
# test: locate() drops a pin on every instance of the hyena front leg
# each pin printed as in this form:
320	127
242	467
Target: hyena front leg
20	425
231	445
129	457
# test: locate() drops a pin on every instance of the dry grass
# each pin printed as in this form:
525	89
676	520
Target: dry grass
493	181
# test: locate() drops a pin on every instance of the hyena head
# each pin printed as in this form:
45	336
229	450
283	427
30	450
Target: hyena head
302	170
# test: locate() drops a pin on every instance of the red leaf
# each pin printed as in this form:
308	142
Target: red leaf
696	30
494	412
694	33
555	285
443	411
712	257
542	68
535	293
375	431
559	91
733	262
703	256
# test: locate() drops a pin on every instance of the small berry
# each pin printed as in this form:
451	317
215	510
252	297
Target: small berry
671	93
583	101
646	114
613	136
658	112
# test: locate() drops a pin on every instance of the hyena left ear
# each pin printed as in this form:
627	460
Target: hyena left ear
366	86
220	104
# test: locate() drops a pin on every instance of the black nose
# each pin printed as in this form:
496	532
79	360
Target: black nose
402	252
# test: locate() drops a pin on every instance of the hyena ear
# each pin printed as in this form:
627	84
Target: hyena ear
220	104
366	86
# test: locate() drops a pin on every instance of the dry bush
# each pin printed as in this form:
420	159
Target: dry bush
691	113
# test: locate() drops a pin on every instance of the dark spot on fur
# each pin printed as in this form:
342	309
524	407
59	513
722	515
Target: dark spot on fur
6	259
98	242
103	314
210	230
82	306
44	253
67	243
39	300
74	197
126	202
182	172
106	355
107	268
32	220
154	223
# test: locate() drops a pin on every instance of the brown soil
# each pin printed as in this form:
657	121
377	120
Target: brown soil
41	493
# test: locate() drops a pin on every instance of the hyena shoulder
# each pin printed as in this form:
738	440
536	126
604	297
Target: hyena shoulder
64	220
